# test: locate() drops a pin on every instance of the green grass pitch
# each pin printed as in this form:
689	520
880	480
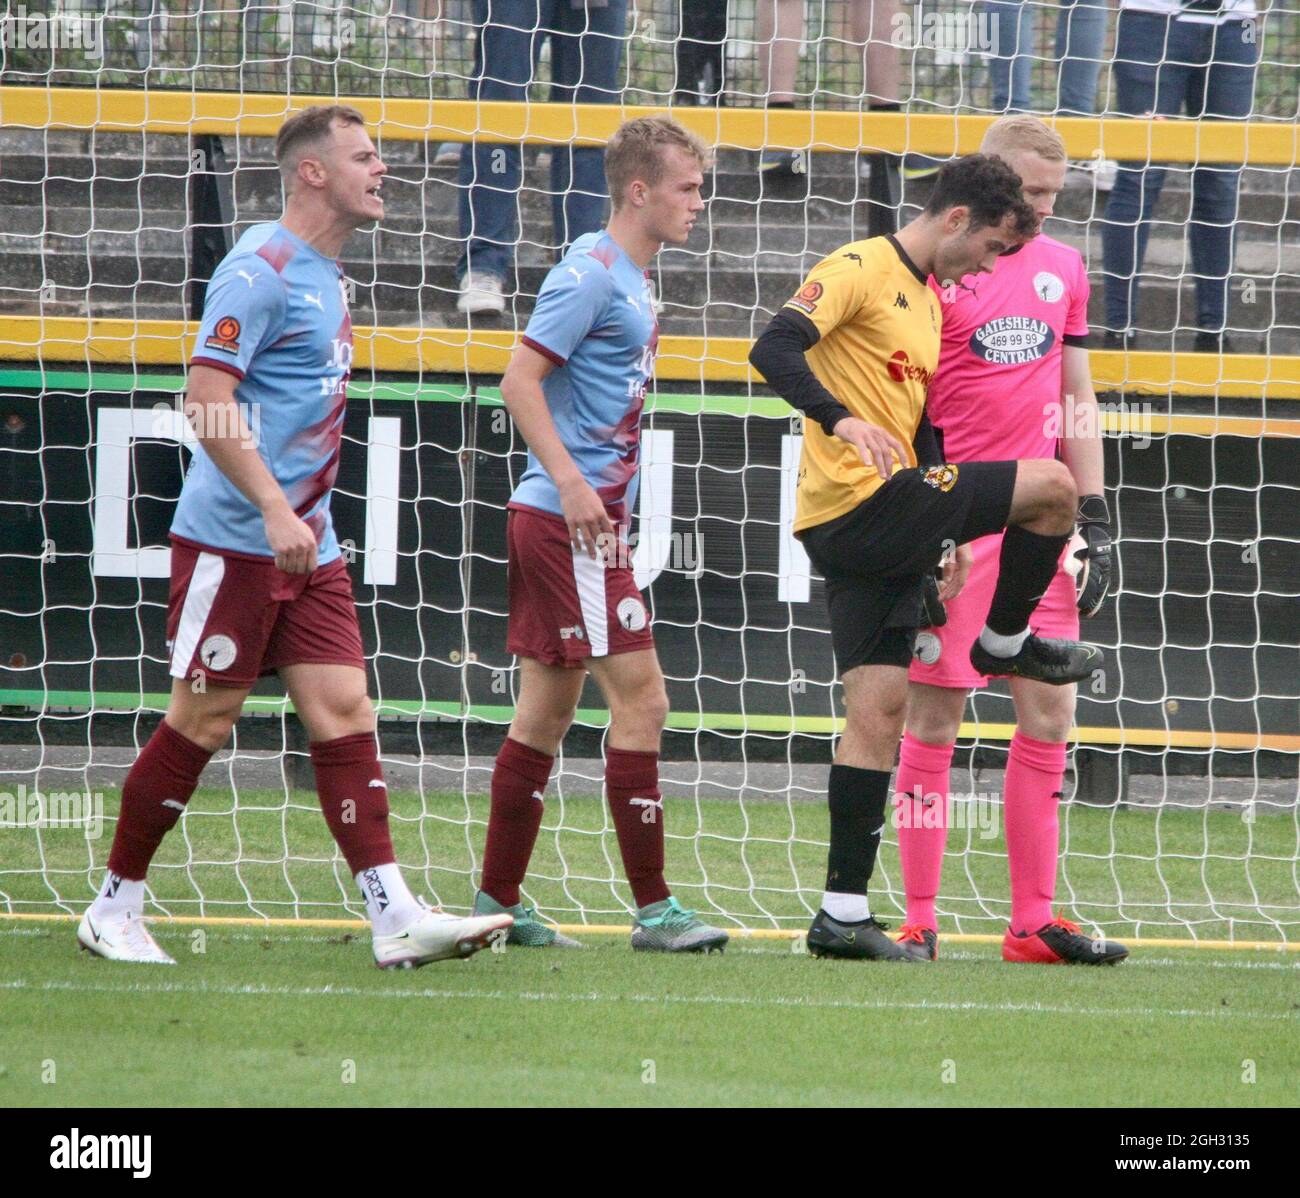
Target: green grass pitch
269	1014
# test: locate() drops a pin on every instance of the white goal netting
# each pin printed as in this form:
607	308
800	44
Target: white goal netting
1181	816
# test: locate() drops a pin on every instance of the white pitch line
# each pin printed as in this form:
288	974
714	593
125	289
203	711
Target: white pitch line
1140	961
1164	962
1137	962
331	991
214	934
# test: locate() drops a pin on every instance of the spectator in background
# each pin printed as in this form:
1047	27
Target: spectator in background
779	33
1196	58
872	26
1080	44
701	41
586	40
422	20
1080	37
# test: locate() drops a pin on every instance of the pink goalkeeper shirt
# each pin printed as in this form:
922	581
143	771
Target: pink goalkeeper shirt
996	395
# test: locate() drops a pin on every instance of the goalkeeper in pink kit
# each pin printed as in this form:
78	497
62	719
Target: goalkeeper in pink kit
1012	383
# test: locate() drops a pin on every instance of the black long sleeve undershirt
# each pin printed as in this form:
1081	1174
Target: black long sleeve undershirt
778	355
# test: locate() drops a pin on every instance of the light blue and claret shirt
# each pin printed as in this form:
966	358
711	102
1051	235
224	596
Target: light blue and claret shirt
275	317
595	321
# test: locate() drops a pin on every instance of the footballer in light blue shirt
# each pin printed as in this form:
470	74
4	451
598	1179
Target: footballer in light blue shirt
595	323
576	388
276	318
257	581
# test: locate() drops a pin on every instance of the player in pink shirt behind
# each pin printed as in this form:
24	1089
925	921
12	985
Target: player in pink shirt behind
1013	383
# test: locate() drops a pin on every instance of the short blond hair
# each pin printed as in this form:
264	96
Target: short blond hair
1019	133
636	151
307	131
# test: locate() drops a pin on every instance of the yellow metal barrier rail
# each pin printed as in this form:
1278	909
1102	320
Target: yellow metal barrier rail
48	340
1252	143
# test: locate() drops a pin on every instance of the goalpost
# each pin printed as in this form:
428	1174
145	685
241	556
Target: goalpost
120	159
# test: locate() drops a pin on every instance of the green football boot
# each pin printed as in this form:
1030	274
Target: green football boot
666	927
528	931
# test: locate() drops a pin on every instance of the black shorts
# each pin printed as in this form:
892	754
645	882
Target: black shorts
875	558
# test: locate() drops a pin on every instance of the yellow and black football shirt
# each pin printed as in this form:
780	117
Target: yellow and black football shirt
878	350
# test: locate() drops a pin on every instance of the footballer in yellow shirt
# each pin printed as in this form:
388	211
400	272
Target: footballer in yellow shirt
854	350
877	351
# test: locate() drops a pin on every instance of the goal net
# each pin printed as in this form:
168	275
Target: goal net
135	143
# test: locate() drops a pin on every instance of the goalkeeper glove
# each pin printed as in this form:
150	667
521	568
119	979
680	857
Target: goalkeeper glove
1094	554
934	614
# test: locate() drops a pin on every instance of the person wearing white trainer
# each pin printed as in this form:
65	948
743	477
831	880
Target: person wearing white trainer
586	42
119	933
258	582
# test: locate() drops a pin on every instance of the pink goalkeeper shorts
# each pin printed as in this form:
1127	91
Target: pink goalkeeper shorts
1056	616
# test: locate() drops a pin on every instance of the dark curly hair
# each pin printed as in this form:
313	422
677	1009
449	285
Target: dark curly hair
988	187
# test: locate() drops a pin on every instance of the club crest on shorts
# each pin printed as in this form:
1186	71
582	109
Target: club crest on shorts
217	653
631	614
927	649
941	478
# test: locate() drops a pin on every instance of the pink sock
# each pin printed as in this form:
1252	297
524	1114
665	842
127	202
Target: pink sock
1031	792
921	816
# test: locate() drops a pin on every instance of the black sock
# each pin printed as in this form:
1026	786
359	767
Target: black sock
1025	571
857	802
780	104
699	51
884	192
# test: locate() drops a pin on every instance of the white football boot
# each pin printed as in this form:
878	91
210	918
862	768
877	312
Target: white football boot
437	936
121	936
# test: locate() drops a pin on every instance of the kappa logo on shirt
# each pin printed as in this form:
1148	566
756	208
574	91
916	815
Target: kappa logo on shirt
225	335
901	302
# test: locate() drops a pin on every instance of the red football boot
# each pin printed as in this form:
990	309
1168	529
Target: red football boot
1060	943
